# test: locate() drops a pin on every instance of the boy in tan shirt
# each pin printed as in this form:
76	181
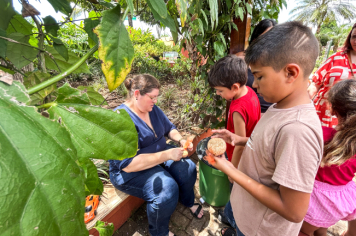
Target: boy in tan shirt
275	177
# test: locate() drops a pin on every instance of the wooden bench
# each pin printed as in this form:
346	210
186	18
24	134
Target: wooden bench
115	207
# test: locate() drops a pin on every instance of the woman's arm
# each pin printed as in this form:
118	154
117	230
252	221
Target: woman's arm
313	89
177	137
149	160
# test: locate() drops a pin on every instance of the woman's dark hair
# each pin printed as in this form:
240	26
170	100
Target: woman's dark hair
347	44
143	83
261	27
342	147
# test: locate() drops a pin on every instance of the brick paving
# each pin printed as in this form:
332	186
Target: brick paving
183	223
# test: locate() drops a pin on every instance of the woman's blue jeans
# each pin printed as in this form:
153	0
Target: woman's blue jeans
161	186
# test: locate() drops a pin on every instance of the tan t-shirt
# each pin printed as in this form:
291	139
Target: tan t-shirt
285	148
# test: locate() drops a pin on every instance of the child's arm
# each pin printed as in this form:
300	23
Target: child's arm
240	130
289	203
229	137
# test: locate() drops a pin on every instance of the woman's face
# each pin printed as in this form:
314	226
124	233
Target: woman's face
353	39
146	102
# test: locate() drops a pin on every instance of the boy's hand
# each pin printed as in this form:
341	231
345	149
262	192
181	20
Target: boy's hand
221	163
229	137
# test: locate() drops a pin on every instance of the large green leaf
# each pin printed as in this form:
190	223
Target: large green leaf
61	5
201	27
158	6
97	132
109	4
20	55
205	17
51	25
213	4
67	94
93	184
168	21
42	187
182	7
3	44
16	90
20	25
131	6
6	13
221	36
104	230
89	25
115	50
59	46
94	97
34	78
219	47
62	63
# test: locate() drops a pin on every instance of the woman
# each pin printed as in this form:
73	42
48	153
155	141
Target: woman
339	66
262	27
158	174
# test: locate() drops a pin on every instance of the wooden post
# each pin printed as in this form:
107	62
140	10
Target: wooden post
238	43
239	39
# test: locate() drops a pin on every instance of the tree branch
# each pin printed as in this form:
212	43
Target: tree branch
28	45
62	75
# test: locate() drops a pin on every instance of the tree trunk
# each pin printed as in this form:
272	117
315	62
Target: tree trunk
158	29
336	45
193	55
41	38
129	17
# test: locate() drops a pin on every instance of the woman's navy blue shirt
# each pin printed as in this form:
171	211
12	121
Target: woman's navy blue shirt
149	141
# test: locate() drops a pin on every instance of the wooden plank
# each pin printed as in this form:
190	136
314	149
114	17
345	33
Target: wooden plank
115	207
119	215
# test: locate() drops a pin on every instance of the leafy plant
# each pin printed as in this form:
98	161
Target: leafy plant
169	95
180	83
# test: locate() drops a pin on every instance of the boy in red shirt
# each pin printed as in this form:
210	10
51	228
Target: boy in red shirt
228	77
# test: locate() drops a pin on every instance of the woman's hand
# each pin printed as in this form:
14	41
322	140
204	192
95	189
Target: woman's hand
229	137
175	154
190	146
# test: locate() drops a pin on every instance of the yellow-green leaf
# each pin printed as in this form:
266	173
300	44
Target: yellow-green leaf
182	9
115	50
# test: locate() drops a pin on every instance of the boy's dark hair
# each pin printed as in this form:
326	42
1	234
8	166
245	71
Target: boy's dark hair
261	27
228	71
290	42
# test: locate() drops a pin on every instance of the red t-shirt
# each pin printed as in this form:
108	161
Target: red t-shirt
249	108
336	175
